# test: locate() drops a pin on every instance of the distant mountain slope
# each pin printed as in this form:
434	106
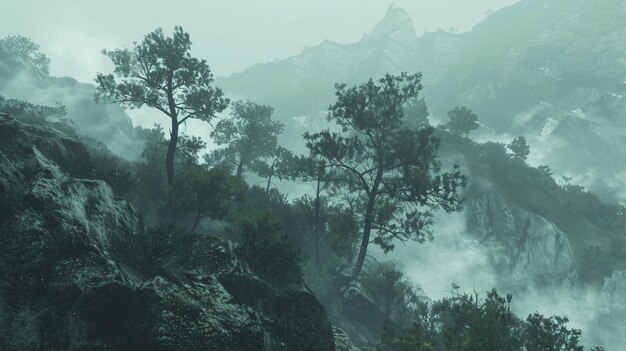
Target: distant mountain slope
589	144
304	84
19	79
559	52
556	52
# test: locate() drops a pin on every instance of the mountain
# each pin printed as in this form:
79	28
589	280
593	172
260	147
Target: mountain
20	79
587	143
558	53
304	84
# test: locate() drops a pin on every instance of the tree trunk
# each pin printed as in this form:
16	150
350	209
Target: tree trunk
367	229
269	179
369	218
197	220
316	227
171	151
239	170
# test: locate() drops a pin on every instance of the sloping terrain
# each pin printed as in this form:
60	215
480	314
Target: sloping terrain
80	271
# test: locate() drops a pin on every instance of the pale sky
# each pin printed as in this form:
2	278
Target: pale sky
231	35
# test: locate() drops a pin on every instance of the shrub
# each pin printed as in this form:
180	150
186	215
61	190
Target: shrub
270	254
465	322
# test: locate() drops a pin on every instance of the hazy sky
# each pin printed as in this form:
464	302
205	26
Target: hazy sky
230	34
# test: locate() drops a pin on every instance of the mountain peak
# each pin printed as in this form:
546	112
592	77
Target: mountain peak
395	25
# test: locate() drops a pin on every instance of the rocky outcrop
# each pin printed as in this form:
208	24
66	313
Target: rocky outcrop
81	273
342	341
524	248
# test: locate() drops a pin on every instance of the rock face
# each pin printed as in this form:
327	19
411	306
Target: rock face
524	248
342	341
81	273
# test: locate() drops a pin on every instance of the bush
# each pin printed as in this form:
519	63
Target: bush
270	254
465	322
392	291
164	251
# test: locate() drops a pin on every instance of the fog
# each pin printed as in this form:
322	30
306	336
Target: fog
290	53
230	35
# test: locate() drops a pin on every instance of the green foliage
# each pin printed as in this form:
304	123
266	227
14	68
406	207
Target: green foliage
159	69
389	172
550	334
343	232
250	135
462	121
24	110
392	291
165	251
519	148
201	192
416	113
270	253
464	322
574	210
316	212
120	174
160	73
280	166
27	50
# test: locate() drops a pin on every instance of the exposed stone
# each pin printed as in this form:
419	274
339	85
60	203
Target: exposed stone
79	272
524	248
342	341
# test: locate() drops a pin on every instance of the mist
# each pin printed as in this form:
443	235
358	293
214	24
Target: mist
313	175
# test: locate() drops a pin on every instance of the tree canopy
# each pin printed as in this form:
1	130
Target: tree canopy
389	171
462	121
159	72
27	50
250	135
519	148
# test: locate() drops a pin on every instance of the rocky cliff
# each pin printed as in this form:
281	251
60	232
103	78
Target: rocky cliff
525	249
80	272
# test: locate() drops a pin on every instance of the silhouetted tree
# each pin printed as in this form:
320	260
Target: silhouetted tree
550	334
201	192
416	113
279	165
343	232
387	284
390	169
27	50
250	135
315	169
519	148
468	322
160	73
462	121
